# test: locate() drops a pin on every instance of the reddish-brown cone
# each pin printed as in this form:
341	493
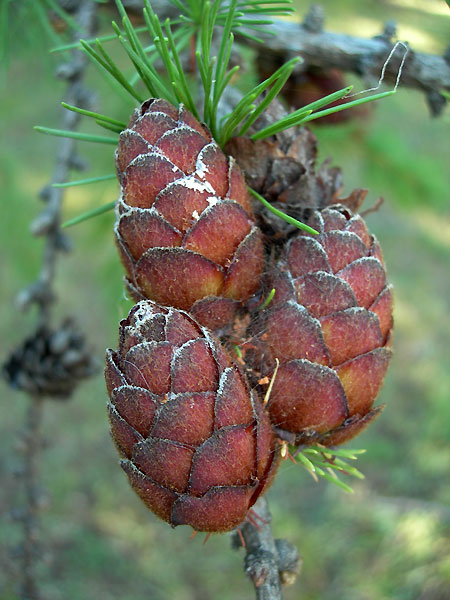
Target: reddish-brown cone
185	227
329	325
198	448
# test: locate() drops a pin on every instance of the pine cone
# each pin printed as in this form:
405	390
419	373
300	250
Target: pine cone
198	447
184	227
329	325
50	363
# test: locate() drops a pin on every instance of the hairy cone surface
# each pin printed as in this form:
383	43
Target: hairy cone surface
198	448
185	227
329	325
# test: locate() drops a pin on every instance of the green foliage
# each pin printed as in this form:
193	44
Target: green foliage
328	462
280	214
15	37
85	181
76	135
92	213
204	24
199	22
268	299
306	113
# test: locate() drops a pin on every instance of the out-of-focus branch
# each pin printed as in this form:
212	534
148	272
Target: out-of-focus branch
49	363
48	221
32	448
268	562
363	56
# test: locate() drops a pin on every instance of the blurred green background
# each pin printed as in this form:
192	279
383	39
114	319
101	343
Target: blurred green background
391	538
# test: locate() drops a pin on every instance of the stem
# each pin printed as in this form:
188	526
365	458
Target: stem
268	562
41	292
29	588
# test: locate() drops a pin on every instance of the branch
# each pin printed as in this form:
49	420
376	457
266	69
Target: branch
269	563
48	221
31	450
49	363
365	57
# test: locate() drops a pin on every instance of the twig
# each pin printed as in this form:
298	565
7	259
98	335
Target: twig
32	450
268	562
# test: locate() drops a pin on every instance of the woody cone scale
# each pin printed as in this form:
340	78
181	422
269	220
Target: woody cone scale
197	446
185	226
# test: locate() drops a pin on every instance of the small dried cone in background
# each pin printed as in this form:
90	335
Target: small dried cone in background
329	325
184	227
51	363
198	447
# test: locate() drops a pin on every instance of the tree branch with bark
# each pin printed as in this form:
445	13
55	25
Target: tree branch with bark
364	57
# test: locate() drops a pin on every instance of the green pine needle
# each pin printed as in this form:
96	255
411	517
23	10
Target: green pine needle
85	181
237	350
282	215
267	300
304	461
299	115
332	478
283	75
109	126
89	215
306	113
203	18
102	58
199	19
198	22
94	115
180	81
4	34
324	462
246	109
40	12
102	39
335	109
62	14
85	137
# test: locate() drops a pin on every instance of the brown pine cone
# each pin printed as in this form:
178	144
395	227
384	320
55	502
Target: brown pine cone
198	447
329	325
185	227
